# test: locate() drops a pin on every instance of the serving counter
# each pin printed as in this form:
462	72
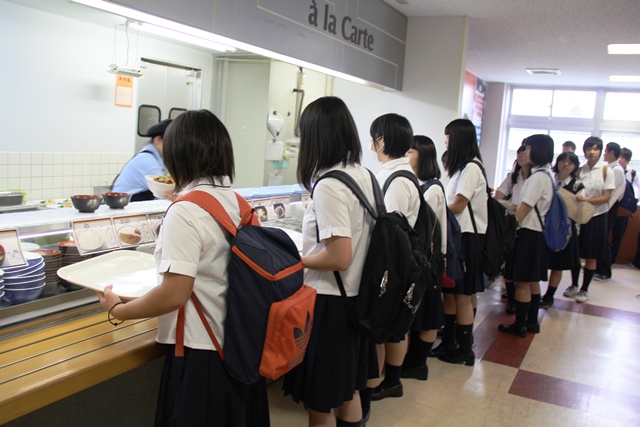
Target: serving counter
57	346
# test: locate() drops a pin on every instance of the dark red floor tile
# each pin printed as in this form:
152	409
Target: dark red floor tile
597	311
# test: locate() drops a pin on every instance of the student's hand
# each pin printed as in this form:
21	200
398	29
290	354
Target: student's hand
107	298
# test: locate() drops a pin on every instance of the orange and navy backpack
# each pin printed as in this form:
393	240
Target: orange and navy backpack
269	309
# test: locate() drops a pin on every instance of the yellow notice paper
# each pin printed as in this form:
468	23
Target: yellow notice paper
124	91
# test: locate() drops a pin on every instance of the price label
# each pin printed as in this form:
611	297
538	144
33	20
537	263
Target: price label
10	250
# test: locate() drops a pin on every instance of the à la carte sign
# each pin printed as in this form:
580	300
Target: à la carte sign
330	23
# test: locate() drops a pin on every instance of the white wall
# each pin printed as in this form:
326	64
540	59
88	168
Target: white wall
434	70
492	146
56	93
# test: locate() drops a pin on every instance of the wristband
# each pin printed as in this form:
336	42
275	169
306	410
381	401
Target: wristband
110	319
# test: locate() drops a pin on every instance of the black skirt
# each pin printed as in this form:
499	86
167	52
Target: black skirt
338	362
529	260
196	390
430	314
593	237
569	257
473	280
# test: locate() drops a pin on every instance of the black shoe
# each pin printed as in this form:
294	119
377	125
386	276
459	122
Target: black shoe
505	297
459	358
420	373
511	308
381	392
513	329
534	328
443	349
546	303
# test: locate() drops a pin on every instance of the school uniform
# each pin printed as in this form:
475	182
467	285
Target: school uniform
569	257
470	183
529	258
607	258
593	235
196	389
510	189
338	361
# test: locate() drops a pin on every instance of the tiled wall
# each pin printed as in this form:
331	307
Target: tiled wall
48	175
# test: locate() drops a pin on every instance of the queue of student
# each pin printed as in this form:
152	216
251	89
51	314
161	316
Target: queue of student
340	374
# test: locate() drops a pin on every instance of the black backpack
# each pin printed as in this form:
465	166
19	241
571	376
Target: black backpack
629	204
500	236
396	271
454	262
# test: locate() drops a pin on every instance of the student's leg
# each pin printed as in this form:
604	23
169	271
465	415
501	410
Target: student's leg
617	233
555	276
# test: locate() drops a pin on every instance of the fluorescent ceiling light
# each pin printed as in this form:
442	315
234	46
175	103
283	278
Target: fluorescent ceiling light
623	49
143	17
176	35
544	71
136	15
624	79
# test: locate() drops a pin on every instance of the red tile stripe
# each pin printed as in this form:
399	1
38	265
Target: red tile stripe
593	400
596	310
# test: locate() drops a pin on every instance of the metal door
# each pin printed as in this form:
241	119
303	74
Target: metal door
164	91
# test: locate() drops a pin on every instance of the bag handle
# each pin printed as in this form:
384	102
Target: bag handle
179	348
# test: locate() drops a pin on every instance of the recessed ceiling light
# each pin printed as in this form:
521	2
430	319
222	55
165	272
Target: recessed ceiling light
623	49
625	79
544	71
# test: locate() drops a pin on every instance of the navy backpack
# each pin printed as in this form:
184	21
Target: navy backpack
556	227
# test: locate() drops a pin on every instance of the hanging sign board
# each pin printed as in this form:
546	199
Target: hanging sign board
124	91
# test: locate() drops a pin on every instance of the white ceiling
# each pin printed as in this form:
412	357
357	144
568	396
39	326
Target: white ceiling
507	36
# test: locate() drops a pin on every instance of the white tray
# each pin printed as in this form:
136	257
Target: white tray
131	273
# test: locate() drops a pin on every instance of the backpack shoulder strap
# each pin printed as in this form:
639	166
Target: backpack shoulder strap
209	203
604	173
179	347
346	179
424	187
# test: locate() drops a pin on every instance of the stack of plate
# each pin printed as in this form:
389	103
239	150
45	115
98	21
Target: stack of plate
70	255
52	262
24	283
1	283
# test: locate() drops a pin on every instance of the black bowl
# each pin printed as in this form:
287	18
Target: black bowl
86	202
116	200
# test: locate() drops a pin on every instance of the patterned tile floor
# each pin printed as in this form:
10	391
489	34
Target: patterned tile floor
583	369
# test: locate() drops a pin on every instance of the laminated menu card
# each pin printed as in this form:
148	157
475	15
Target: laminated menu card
10	250
263	209
281	207
95	235
132	230
155	222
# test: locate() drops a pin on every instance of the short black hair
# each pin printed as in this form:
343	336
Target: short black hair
396	132
590	142
569	144
614	147
626	154
463	145
572	157
197	145
328	136
427	161
541	149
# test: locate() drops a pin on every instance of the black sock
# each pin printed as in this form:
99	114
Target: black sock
466	338
551	291
343	423
391	375
534	306
365	400
586	280
522	310
511	291
449	331
475	311
575	275
417	354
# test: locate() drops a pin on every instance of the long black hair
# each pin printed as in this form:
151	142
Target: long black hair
197	145
328	136
427	161
463	145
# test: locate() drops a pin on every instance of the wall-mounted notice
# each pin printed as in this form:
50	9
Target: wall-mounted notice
124	91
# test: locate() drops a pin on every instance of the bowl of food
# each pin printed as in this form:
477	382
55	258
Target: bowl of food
86	202
116	200
129	235
161	186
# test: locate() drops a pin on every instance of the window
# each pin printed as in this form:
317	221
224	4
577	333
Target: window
531	102
622	106
573	103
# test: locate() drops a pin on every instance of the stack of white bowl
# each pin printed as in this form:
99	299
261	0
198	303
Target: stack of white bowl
1	283
26	282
